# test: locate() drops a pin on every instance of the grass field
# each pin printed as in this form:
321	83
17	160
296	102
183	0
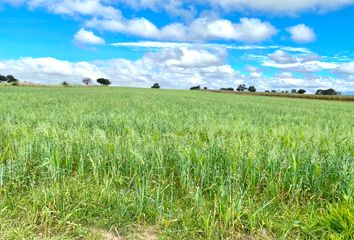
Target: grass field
99	163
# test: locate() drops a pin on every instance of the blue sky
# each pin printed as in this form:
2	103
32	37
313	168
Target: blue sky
271	44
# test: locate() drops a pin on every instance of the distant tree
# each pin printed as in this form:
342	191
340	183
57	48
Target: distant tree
3	78
156	85
227	89
266	90
195	88
329	91
65	84
241	88
273	91
319	92
301	91
293	91
205	88
11	79
252	89
87	81
104	81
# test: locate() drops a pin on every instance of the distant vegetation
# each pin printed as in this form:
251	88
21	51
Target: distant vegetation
156	85
104	81
329	91
87	81
195	88
9	79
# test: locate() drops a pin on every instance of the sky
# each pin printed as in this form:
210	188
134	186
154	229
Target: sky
270	44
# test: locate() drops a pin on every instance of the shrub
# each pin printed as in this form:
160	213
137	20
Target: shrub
156	85
329	91
301	91
87	81
195	88
3	78
11	79
104	81
241	87
227	89
252	89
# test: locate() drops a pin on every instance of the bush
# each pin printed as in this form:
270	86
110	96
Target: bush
195	88
156	85
227	89
252	89
329	91
11	79
301	91
241	88
104	81
3	78
65	84
87	81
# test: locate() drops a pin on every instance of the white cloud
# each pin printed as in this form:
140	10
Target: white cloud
174	67
96	8
280	7
302	33
201	29
303	63
281	57
346	68
87	37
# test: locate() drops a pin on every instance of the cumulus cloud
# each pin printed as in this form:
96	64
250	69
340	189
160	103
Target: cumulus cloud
345	68
308	63
201	29
173	67
302	33
87	37
281	7
281	57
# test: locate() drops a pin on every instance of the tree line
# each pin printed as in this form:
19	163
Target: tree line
252	89
8	79
241	88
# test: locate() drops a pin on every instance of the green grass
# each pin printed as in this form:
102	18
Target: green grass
188	164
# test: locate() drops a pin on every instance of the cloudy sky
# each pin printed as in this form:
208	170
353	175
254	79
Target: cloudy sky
272	44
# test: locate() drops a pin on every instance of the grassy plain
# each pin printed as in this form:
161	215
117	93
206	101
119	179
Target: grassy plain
93	163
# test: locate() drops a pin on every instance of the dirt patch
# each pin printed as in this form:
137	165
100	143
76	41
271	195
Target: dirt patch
139	233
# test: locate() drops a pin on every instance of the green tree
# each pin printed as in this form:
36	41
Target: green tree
252	89
104	81
11	79
87	81
156	85
3	78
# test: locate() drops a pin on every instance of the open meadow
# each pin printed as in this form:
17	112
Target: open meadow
123	163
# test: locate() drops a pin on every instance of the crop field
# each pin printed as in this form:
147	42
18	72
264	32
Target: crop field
121	163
